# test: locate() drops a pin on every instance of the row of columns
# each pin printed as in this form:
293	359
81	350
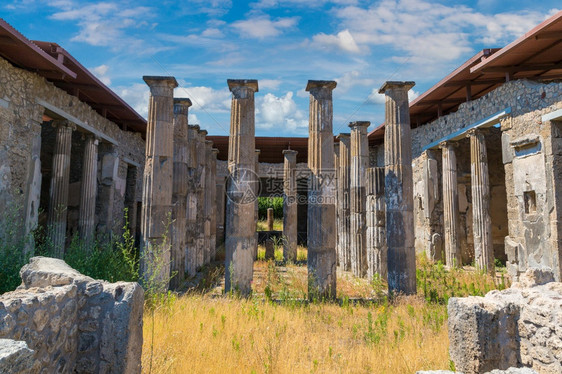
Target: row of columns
179	191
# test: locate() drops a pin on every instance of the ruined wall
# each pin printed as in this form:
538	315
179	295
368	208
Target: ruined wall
74	323
511	328
529	168
21	120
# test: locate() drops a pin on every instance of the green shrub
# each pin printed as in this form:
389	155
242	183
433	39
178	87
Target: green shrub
270	202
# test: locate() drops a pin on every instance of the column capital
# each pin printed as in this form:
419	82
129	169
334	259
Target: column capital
215	151
476	131
396	85
289	153
343	135
63	123
359	125
89	135
194	127
258	151
160	85
181	105
234	84
209	143
316	85
203	132
336	147
447	144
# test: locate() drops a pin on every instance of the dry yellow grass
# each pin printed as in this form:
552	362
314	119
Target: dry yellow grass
200	334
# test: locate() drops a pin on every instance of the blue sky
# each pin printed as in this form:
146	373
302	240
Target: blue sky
282	43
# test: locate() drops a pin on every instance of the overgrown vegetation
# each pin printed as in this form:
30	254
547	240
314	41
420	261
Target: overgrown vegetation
270	202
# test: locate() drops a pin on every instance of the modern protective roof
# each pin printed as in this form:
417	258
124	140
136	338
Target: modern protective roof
56	65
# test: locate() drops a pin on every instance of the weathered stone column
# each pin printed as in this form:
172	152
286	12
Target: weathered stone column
256	206
60	177
481	221
357	189
240	208
202	246
344	201
193	205
321	193
213	190
376	228
398	189
220	211
269	219
338	198
179	191
34	179
157	180
88	190
450	205
290	205
109	163
209	200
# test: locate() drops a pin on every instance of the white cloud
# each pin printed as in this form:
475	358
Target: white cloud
271	84
192	119
351	79
101	73
206	99
262	27
136	96
379	99
280	113
342	40
263	4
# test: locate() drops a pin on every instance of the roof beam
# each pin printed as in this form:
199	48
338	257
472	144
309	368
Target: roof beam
523	67
81	86
468	82
549	35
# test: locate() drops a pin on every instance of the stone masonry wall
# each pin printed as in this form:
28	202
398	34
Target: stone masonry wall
74	323
518	327
531	164
20	131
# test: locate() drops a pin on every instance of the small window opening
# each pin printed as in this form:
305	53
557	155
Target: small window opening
530	202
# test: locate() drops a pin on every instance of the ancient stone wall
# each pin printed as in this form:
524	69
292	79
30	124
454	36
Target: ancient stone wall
21	121
530	160
74	323
511	328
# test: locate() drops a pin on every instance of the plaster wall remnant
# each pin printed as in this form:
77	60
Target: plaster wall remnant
516	327
60	176
399	189
376	228
450	205
73	323
357	189
240	238
321	202
157	194
481	221
344	201
290	206
179	191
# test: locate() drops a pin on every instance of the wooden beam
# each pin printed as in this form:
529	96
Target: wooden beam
549	35
474	82
523	67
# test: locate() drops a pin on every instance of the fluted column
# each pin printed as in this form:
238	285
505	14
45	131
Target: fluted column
179	190
240	208
481	221
157	180
220	211
344	201
213	191
289	205
201	243
256	203
321	193
60	177
376	228
209	202
193	205
88	190
337	184
357	189
450	205
399	189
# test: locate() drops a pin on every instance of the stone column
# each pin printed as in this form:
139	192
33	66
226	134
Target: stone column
88	190
179	191
269	219
157	182
290	205
344	201
60	177
193	205
256	206
213	190
450	205
240	225
338	199
209	200
33	194
220	210
481	221
109	162
399	189
201	244
376	228
357	189
321	193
